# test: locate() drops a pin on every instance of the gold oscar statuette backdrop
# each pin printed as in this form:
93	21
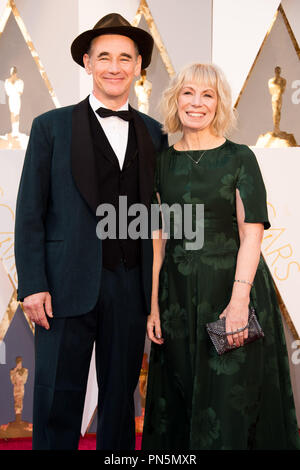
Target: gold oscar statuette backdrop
16	428
276	138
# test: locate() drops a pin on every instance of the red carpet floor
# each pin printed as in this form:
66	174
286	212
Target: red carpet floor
86	443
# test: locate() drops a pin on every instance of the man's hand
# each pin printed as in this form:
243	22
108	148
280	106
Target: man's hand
37	307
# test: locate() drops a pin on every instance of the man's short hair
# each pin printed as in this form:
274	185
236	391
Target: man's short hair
89	51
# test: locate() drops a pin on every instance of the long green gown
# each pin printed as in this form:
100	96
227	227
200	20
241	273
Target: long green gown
196	399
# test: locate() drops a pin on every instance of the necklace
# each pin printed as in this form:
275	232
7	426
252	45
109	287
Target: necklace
196	161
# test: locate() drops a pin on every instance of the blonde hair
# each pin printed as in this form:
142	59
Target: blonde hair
207	74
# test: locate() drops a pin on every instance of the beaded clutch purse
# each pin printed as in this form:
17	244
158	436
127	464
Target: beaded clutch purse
218	335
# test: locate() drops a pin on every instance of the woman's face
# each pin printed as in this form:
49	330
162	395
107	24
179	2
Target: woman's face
197	105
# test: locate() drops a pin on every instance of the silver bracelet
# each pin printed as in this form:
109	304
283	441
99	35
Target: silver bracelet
245	282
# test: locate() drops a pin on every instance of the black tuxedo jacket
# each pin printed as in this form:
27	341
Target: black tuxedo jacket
56	246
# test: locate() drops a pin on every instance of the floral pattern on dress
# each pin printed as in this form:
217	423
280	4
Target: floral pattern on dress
186	260
220	252
228	363
174	321
197	399
209	425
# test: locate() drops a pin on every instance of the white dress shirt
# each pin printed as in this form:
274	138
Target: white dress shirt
115	128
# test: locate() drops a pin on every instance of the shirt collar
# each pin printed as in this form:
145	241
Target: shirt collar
96	104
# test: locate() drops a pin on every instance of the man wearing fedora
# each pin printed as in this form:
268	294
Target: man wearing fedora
77	288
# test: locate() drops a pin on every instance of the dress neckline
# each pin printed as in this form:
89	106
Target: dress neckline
200	150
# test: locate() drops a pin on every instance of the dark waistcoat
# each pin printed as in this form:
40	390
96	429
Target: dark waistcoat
115	182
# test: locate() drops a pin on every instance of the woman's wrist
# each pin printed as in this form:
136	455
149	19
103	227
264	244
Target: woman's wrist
154	304
243	281
241	288
239	301
240	293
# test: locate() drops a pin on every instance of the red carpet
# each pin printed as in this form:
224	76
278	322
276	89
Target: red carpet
86	443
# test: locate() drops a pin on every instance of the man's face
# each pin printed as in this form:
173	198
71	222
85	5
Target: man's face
113	63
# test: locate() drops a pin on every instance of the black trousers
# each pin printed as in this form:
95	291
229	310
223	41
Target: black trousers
117	325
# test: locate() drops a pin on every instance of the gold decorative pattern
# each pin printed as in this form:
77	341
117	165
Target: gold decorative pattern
8	254
256	59
286	315
290	31
283	309
11	8
10	312
293	39
145	11
9	315
92	419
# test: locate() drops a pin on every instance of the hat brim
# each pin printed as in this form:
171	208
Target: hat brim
143	40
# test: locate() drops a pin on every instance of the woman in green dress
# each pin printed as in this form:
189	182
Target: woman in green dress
197	399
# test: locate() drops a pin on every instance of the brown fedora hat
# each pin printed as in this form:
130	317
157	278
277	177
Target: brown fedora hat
113	24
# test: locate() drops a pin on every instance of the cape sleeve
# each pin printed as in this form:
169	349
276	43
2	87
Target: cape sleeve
252	189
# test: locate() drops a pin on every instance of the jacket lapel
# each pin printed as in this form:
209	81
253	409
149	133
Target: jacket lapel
84	166
146	153
83	163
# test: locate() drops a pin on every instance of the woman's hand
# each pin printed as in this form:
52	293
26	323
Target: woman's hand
153	326
236	317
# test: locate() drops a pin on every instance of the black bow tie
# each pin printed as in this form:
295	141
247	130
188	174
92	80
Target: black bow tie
104	112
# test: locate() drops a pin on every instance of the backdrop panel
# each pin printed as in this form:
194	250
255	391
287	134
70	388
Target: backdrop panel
255	104
281	244
228	32
239	27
